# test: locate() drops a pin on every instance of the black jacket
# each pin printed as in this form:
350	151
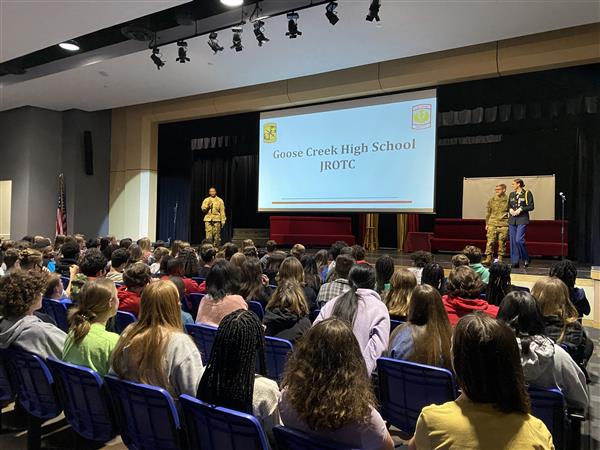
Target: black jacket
285	325
62	266
575	341
523	200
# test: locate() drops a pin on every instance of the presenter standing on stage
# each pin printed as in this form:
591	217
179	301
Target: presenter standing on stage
520	202
496	224
213	208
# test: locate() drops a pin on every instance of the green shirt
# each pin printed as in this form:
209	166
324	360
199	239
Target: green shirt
93	351
482	271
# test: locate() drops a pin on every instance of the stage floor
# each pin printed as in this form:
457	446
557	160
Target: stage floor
538	267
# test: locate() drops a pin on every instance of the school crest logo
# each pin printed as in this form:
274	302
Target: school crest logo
270	133
421	116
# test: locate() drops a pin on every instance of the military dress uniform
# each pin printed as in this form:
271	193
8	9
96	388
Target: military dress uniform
496	221
517	225
214	218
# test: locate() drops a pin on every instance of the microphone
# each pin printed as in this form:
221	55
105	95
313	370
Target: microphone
562	195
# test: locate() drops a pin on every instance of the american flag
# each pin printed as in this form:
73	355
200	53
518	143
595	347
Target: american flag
61	210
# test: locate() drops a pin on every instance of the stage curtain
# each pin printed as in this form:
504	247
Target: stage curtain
405	223
585	221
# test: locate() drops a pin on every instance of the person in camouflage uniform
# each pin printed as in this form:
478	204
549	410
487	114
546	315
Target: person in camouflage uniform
496	224
214	209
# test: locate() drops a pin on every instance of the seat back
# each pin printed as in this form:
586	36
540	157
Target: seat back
548	405
7	389
394	324
406	387
204	337
33	383
146	415
290	439
58	311
194	304
85	400
215	428
257	309
122	320
276	354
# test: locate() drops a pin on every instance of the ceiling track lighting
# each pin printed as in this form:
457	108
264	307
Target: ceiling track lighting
293	31
374	11
156	58
259	32
213	43
182	52
331	14
70	46
237	39
232	3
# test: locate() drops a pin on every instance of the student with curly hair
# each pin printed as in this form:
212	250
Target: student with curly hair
88	343
420	259
93	265
20	296
327	390
566	271
464	290
135	279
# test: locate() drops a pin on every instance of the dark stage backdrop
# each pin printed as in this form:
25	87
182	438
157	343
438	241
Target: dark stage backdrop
545	124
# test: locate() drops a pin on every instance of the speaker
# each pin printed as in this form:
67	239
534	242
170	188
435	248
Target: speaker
88	153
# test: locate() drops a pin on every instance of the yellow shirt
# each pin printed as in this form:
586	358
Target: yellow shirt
463	424
214	209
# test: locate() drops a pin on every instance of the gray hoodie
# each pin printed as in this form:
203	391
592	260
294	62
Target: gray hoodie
548	365
33	335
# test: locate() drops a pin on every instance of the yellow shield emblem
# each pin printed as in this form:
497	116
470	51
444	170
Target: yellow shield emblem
421	116
269	133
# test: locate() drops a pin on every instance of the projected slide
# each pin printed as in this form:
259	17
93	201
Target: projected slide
375	154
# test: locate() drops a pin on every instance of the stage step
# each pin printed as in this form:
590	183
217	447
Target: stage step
260	236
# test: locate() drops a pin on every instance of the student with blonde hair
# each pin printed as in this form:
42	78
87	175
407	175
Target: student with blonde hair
88	343
286	315
402	284
154	350
145	245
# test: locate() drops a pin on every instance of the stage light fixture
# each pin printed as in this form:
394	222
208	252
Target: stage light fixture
237	39
293	31
70	46
232	2
259	32
331	14
374	11
182	52
213	43
156	58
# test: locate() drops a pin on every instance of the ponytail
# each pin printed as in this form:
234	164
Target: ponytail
346	306
94	305
80	322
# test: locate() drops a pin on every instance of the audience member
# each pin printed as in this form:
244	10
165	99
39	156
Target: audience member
93	243
291	269
560	319
545	364
125	243
475	256
237	259
273	266
499	283
271	246
230	249
425	337
145	245
384	269
493	410
154	350
327	391
109	249
420	259
20	296
190	262
59	240
93	265
54	288
334	251
208	255
247	243
11	260
118	262
135	254
286	314
222	297
311	272
32	260
88	343
322	261
250	252
433	275
70	252
186	318
298	251
339	281
175	267
403	282
135	279
362	308
254	285
175	247
159	254
358	253
459	260
566	271
464	290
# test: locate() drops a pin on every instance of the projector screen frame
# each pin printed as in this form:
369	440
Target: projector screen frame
329	106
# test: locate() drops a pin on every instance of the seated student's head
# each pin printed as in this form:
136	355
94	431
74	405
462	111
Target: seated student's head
54	287
554	299
174	266
565	271
384	269
291	269
104	243
70	250
358	252
361	276
21	293
321	258
247	243
190	262
343	264
465	283
93	243
109	249
433	275
473	253
119	259
145	244
228	380
11	258
421	258
80	239
271	246
97	302
31	260
223	279
230	249
336	248
179	284
208	254
136	277
275	260
289	297
93	263
250	251
135	253
238	259
125	243
160	253
59	240
326	380
520	311
498	283
459	260
397	299
251	273
146	340
487	363
298	251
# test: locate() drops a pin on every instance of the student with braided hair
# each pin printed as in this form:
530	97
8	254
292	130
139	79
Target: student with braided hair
230	378
88	343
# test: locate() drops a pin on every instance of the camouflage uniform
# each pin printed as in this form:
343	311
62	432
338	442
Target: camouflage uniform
496	220
214	219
